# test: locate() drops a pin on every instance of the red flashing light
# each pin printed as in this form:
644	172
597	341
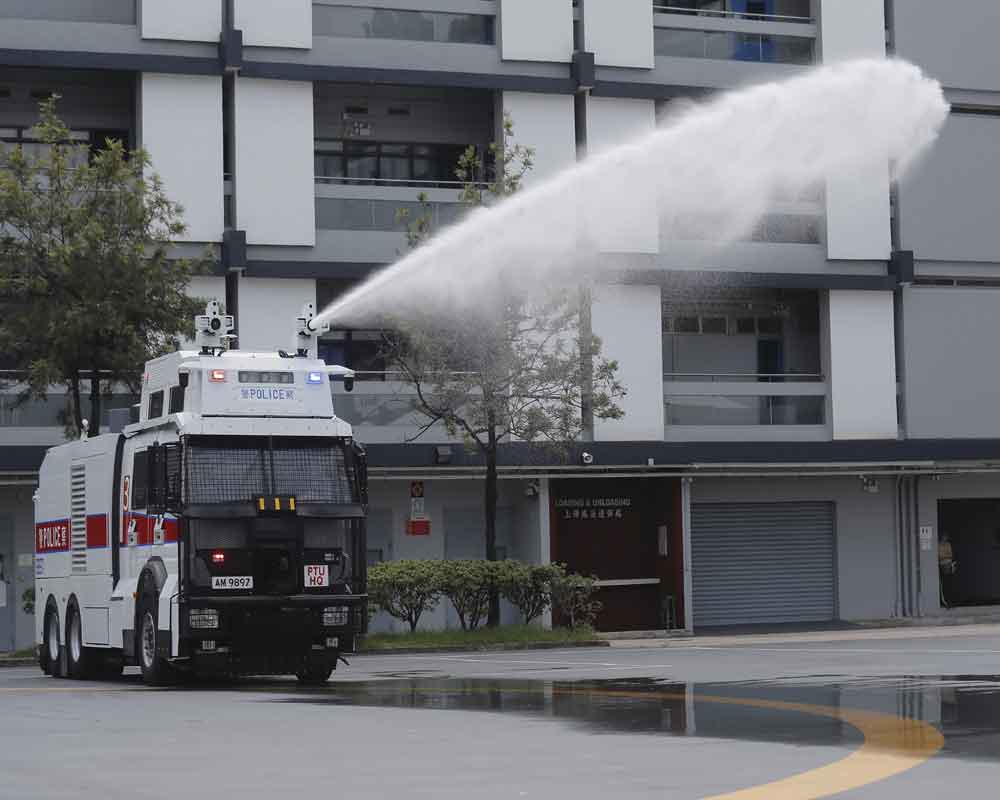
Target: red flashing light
218	558
218	376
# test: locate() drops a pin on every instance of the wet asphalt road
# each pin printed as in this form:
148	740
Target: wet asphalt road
705	719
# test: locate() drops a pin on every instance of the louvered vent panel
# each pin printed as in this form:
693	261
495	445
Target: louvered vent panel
78	516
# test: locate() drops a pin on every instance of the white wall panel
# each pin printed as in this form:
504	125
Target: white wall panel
629	224
533	31
862	365
187	20
628	321
181	128
619	32
268	308
275	185
545	122
267	23
857	201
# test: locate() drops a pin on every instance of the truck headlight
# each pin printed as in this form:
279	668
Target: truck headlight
203	618
335	616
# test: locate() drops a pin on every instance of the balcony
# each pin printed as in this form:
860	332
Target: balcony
383	410
764	32
743	364
43	422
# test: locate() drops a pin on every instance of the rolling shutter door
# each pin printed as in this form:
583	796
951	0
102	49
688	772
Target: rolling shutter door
760	563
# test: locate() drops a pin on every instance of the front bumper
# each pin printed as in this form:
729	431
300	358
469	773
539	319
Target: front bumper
267	634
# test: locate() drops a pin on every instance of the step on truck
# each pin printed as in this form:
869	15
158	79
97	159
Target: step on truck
223	532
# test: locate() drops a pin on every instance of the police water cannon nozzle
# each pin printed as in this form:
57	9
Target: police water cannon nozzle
213	330
307	332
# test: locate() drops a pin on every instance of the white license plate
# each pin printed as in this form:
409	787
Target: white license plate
232	581
317	575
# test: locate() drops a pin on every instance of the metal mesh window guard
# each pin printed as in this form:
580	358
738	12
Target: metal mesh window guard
238	471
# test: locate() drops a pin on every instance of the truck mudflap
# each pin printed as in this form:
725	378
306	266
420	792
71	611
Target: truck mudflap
268	635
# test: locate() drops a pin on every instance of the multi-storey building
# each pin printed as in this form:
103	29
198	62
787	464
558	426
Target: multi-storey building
810	411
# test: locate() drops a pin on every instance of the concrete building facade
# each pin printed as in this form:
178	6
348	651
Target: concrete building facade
810	411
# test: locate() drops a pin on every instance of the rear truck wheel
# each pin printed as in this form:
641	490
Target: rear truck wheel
314	676
155	670
79	659
48	652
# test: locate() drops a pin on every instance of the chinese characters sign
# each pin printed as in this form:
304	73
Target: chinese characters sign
593	508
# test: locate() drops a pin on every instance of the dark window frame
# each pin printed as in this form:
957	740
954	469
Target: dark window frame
156	400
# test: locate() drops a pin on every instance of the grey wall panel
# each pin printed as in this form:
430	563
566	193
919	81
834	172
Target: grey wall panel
763	563
951	374
947	205
954	42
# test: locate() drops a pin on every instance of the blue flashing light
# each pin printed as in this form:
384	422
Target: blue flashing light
314	377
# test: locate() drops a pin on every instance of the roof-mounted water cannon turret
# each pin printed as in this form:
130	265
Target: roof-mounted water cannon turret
213	329
307	332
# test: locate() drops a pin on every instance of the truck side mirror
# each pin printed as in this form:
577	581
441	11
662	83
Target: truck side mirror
349	384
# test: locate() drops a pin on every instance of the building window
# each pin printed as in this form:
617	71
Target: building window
417	26
359	162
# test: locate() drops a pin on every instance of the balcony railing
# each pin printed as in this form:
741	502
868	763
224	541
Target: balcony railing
791	402
344	205
744	410
695	9
733	46
743	377
115	12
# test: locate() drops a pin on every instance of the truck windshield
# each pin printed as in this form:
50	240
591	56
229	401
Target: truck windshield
221	469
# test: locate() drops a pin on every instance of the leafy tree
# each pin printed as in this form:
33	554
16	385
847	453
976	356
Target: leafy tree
527	368
88	288
405	589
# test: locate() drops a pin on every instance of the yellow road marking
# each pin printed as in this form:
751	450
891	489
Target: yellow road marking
892	744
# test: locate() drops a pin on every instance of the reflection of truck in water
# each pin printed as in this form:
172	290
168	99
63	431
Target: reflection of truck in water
223	532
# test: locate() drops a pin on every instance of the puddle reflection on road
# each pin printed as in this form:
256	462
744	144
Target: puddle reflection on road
966	709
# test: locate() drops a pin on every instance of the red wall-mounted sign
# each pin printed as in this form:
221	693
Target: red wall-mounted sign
418	527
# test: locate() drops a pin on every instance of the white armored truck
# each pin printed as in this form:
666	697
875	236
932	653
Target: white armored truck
222	532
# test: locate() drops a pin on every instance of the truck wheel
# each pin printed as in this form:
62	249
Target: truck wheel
155	670
314	676
49	653
79	659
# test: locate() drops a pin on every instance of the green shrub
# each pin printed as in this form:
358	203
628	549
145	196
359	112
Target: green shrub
468	585
573	597
528	587
405	589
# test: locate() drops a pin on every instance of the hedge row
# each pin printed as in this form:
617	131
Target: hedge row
406	589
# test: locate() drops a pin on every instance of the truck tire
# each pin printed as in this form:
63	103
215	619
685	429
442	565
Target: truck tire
314	676
155	670
79	659
49	653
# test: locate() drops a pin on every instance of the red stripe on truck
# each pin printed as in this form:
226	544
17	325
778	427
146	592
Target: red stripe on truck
97	530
